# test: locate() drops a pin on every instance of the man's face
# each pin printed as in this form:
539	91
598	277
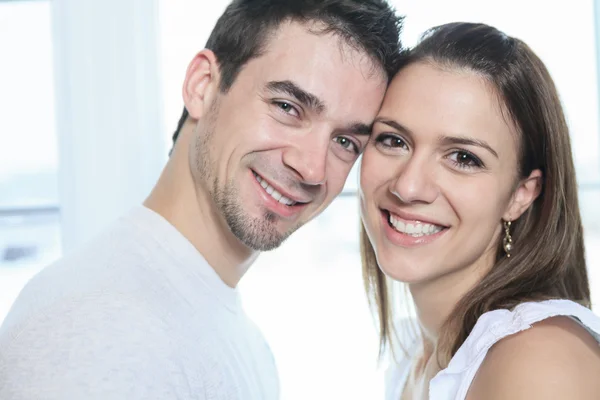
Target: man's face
276	149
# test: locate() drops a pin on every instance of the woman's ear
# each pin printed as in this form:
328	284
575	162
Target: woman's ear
527	191
201	83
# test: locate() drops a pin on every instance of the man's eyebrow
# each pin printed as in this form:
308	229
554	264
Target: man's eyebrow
467	141
302	96
360	129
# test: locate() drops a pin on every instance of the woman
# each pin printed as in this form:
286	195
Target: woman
468	195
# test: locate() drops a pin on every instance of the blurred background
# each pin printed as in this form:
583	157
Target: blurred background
90	95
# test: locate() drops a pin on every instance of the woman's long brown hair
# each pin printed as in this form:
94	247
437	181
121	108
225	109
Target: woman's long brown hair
548	257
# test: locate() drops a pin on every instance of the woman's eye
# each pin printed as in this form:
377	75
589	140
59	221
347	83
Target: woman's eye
464	159
391	141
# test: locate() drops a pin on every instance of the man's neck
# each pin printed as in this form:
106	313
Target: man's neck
193	213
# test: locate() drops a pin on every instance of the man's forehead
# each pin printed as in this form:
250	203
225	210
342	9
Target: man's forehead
343	82
291	39
312	59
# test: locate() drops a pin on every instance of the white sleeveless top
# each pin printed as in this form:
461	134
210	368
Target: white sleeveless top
453	382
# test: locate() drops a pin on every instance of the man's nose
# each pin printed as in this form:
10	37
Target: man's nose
308	158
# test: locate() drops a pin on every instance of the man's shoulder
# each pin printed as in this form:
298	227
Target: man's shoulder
102	342
73	313
94	273
98	344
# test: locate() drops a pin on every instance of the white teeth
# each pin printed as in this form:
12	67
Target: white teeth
274	193
416	229
401	226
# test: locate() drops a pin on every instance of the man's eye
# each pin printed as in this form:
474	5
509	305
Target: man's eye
287	108
346	143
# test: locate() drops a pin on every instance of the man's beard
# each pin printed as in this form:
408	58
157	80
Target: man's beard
258	233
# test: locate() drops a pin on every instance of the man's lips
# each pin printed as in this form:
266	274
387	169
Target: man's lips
275	201
278	192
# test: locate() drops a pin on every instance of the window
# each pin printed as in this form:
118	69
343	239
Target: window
29	212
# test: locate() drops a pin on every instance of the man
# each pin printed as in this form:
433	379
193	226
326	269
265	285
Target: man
278	107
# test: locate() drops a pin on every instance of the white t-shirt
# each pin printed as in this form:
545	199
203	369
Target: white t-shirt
453	382
137	314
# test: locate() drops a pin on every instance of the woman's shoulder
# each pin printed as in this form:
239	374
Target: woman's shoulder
555	358
533	342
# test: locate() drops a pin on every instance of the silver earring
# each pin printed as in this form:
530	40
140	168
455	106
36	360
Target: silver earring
507	242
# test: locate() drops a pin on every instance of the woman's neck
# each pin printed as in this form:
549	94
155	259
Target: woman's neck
435	300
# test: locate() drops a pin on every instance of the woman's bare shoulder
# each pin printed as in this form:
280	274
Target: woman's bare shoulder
556	358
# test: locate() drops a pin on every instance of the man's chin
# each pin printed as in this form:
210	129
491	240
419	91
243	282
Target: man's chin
256	227
262	242
260	234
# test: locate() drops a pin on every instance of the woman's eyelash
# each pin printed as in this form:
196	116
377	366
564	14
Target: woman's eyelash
466	159
391	141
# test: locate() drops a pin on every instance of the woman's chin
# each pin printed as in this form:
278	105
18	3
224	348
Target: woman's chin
404	273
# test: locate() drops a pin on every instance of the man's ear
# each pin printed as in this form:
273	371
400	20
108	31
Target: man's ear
527	191
201	84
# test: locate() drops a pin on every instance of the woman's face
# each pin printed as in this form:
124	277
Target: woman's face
439	175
